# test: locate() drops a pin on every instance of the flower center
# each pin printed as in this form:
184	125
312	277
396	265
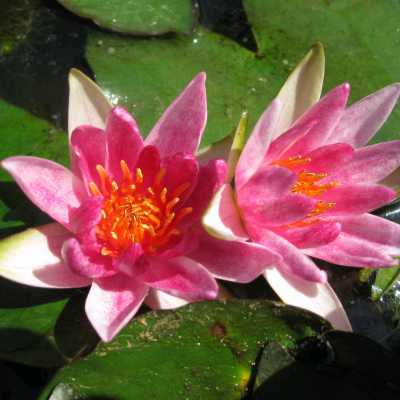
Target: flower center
134	212
308	184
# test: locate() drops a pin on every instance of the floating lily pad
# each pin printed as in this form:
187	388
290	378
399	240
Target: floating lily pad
141	17
360	39
202	351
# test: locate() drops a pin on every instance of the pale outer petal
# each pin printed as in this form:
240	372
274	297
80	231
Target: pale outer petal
33	258
302	89
87	103
316	297
158	300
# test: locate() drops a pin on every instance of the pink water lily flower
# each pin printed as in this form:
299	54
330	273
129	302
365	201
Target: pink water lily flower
304	186
128	213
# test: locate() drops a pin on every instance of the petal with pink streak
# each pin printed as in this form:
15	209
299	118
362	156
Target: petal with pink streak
285	210
95	266
126	262
256	147
233	260
363	119
149	162
318	298
222	218
328	112
349	250
112	302
269	182
33	258
49	185
123	141
313	235
181	277
87	104
181	126
370	164
293	260
88	145
373	229
357	199
210	178
327	159
180	170
158	300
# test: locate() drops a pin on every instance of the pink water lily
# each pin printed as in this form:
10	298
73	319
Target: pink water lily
128	212
305	184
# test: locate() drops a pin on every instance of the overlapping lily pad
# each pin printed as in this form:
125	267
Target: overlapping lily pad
141	17
202	351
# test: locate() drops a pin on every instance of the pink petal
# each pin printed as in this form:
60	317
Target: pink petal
328	112
88	146
158	300
373	229
126	262
314	235
50	186
357	199
285	210
269	182
210	178
293	260
181	126
94	266
233	260
149	162
257	145
222	218
349	250
370	164
123	141
328	159
87	104
181	277
112	302
33	258
316	297
363	119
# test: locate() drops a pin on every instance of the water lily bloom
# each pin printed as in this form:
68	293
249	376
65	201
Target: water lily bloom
128	212
305	183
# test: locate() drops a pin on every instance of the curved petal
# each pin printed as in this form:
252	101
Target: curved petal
319	298
257	145
88	149
233	260
112	302
222	219
149	162
314	235
49	185
351	251
356	199
181	277
293	260
123	141
181	126
33	258
158	300
370	164
87	104
302	89
328	112
83	265
363	119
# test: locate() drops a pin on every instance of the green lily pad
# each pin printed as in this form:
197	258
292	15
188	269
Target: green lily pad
384	280
202	351
140	17
146	76
360	38
24	134
42	327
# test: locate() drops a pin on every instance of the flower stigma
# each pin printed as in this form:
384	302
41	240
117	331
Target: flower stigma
137	212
